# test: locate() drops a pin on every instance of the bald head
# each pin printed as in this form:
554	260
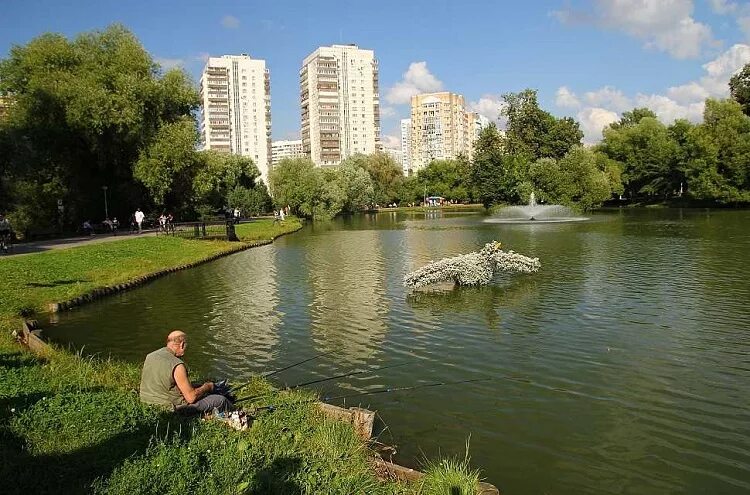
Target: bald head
177	342
176	336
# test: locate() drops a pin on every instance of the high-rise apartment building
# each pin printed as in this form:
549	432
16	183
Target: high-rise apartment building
406	146
440	128
286	149
340	103
236	108
396	155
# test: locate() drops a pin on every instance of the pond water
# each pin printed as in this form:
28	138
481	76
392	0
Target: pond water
623	366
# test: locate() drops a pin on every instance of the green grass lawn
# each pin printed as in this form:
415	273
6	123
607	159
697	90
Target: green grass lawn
72	424
266	228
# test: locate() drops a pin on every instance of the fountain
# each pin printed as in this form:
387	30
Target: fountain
535	213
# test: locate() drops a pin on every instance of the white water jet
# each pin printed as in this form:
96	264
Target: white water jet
535	213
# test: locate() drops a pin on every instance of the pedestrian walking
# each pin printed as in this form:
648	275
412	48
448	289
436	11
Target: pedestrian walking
138	215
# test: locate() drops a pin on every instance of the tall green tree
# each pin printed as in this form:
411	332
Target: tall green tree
447	178
647	153
498	176
308	190
535	133
82	111
385	173
739	88
633	117
356	185
719	167
579	179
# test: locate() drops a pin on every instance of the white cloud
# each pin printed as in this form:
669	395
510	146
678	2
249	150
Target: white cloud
169	63
728	62
608	97
565	98
417	79
741	12
489	106
387	112
723	6
669	110
601	107
593	120
665	25
390	141
744	24
687	93
230	22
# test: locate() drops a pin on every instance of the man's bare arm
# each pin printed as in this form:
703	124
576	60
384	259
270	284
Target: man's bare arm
187	390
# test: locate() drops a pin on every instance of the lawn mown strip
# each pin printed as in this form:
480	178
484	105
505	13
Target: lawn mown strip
72	424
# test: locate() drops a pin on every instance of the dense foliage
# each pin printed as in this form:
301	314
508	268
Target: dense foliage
541	154
98	111
707	162
316	192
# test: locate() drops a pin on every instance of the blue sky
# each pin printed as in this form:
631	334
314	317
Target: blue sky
590	59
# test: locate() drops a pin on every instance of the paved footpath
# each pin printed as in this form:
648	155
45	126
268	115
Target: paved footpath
68	242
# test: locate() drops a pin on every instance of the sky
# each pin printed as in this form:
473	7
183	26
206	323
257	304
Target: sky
588	59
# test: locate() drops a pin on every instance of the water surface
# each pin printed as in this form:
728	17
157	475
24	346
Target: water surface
623	366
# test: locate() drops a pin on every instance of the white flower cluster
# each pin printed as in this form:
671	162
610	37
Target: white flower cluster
475	268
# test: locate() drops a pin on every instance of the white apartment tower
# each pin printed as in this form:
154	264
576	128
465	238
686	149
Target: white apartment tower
406	146
236	108
340	103
286	149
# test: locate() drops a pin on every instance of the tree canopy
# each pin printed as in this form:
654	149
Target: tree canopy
82	112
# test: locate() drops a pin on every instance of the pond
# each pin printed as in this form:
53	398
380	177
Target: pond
623	366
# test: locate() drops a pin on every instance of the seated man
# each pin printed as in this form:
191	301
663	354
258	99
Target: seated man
164	381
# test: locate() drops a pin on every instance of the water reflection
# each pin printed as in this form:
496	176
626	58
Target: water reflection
485	303
348	307
244	318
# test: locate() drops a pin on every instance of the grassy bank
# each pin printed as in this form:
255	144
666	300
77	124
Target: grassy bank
266	228
70	424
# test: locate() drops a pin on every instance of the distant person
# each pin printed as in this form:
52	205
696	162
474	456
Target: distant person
108	224
276	216
281	214
5	232
162	223
115	225
87	228
165	382
138	215
170	222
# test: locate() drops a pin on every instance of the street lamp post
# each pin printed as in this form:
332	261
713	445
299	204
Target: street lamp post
106	212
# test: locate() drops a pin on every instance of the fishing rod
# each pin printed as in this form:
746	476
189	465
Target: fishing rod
272	407
271	373
321	380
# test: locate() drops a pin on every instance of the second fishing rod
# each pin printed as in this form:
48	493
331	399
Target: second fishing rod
272	407
320	380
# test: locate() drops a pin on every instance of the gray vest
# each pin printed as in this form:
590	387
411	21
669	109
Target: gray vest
157	379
